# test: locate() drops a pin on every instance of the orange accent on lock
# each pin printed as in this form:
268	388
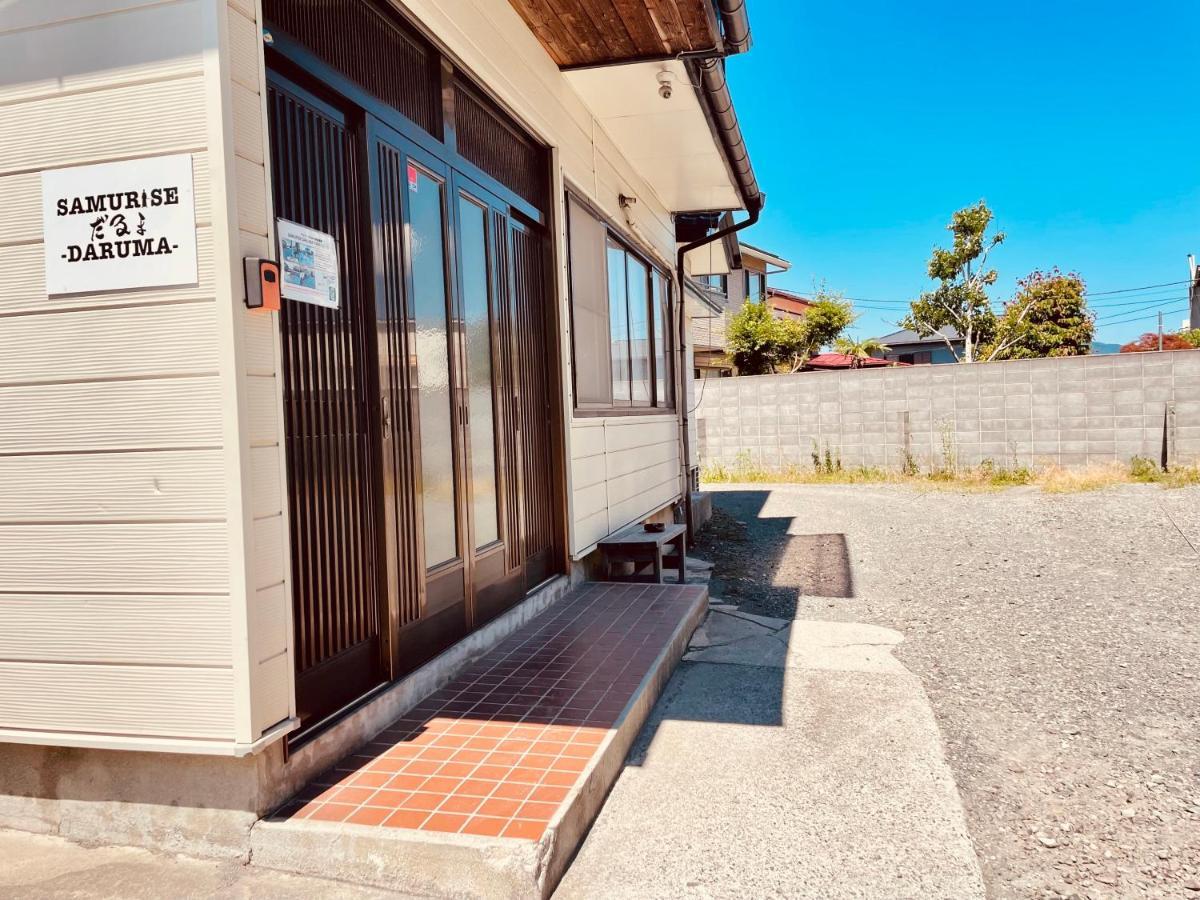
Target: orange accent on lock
262	284
269	271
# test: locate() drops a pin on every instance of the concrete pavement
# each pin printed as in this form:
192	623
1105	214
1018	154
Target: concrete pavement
41	867
795	760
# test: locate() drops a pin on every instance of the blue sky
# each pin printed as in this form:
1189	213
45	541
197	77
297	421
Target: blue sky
870	123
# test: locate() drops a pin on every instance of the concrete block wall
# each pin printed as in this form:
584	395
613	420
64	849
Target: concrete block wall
1069	412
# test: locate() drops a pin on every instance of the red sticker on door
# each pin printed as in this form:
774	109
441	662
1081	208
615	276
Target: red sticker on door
412	178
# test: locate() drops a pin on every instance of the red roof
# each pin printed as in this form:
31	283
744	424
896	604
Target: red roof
845	361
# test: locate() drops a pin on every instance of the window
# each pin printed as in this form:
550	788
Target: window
660	300
756	285
718	282
620	321
618	324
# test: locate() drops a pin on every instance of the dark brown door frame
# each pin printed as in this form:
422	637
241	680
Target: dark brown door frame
416	632
330	689
292	63
489	205
295	55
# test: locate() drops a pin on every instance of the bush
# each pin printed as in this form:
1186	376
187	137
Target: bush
1145	470
1148	343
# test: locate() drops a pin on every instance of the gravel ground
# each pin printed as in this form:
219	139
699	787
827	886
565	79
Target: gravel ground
1058	638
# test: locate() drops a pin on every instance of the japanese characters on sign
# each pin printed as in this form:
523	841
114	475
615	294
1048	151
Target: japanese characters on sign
309	260
122	225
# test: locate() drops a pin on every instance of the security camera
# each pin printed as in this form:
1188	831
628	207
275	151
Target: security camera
664	84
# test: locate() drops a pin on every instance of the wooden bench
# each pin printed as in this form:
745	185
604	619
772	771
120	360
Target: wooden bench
638	546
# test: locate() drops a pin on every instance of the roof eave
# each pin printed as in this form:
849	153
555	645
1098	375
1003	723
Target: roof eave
712	90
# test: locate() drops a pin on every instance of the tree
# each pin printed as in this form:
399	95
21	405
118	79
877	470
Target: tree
860	350
960	300
1148	342
761	344
1191	337
828	315
1048	316
754	338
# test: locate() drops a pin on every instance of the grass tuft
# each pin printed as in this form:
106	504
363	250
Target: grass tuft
827	468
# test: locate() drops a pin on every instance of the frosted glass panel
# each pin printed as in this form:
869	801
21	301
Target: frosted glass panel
618	322
662	375
433	367
474	264
639	331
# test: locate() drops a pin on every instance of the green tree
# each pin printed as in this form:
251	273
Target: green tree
960	300
827	317
755	338
1048	316
859	350
761	344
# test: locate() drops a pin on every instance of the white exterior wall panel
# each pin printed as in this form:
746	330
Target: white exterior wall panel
261	465
122	591
624	468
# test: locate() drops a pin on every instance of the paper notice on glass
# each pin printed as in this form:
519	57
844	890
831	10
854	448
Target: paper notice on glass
309	260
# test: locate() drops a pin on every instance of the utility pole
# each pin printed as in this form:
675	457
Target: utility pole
1160	331
1193	293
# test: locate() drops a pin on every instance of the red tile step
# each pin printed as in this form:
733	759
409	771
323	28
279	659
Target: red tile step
506	752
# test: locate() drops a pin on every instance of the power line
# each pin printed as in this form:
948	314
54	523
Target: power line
1141	305
1165	312
1144	287
1125	299
875	303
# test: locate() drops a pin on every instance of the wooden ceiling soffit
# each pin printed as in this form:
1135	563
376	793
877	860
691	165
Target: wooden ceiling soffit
602	32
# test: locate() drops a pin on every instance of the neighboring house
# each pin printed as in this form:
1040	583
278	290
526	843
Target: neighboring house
733	273
824	362
708	311
224	531
757	266
909	347
786	305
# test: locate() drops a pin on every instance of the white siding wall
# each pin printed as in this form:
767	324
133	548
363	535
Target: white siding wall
262	453
115	609
622	469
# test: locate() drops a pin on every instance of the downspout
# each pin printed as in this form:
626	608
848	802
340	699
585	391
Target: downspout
754	207
735	24
708	79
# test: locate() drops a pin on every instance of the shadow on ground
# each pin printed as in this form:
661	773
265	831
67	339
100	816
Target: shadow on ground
748	632
766	574
787	756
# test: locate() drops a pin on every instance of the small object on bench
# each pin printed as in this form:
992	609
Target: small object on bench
639	545
655	527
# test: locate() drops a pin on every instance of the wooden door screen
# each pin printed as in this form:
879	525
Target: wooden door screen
328	394
532	413
376	468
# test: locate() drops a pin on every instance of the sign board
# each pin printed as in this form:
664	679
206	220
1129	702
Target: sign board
121	225
309	260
